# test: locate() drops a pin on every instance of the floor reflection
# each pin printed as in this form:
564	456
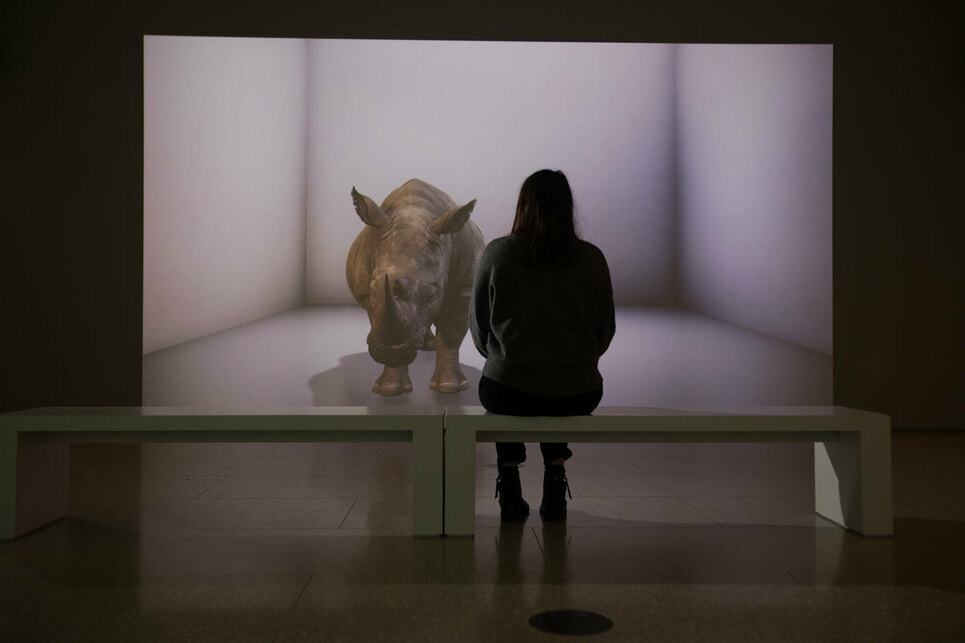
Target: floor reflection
151	553
316	355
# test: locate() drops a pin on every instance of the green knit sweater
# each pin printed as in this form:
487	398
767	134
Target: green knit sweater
541	331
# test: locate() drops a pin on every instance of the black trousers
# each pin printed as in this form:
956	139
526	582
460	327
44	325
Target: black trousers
497	398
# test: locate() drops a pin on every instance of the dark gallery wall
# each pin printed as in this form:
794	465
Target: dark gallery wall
71	181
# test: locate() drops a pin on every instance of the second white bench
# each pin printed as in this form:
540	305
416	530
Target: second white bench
852	450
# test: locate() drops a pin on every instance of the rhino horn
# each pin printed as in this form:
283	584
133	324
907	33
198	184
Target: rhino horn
454	219
392	325
370	213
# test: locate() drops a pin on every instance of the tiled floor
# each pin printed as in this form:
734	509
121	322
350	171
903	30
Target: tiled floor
688	542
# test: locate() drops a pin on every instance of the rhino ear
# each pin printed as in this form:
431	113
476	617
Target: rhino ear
454	219
368	211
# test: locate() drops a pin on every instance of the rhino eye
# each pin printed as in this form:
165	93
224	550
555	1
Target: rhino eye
399	289
430	292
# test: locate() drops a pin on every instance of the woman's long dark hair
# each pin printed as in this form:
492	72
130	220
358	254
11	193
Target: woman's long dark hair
544	214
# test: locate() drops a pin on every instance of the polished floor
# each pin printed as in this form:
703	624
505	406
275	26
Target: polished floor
316	356
673	542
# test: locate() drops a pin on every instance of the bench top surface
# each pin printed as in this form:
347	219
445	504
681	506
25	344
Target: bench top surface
629	420
743	411
410	411
404	419
188	411
224	421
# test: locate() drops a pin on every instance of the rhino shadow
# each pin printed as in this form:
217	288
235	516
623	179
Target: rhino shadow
350	384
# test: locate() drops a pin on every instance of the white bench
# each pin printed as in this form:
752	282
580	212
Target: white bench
852	450
35	456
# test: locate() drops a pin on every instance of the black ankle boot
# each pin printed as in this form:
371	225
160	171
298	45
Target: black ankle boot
510	494
555	489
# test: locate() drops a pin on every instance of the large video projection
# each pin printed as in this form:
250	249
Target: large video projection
702	171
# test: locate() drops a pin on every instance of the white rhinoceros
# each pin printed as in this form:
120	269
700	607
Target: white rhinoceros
410	267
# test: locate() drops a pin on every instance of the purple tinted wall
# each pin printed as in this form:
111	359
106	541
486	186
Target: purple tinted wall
754	190
224	176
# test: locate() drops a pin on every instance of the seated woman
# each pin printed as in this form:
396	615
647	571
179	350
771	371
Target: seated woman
542	315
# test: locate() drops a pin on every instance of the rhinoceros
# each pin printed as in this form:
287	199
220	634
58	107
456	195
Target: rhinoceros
412	267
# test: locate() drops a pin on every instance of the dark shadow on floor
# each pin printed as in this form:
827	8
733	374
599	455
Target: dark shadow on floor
922	552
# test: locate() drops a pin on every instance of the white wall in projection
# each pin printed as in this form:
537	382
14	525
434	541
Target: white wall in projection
754	149
475	119
702	171
224	183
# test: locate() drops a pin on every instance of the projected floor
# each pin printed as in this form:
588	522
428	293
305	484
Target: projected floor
316	356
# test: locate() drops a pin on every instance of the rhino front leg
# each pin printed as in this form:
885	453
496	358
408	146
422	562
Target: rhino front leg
448	377
429	340
394	380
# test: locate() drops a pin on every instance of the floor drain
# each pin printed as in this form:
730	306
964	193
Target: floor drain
571	622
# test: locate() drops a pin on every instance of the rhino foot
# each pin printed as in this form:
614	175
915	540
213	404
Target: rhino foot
449	387
393	381
446	380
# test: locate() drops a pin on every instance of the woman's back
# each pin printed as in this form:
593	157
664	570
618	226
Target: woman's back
542	330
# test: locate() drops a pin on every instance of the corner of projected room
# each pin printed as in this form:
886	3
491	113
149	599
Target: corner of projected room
703	173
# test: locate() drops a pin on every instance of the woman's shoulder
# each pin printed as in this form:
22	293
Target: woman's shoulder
500	242
501	246
587	249
497	251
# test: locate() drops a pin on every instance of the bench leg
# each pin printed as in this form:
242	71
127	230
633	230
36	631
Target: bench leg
8	485
427	509
34	482
460	482
852	480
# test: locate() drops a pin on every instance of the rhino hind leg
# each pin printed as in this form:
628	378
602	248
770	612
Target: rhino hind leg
429	341
448	377
394	380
